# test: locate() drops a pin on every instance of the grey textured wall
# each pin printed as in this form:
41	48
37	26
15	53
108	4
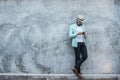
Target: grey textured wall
34	35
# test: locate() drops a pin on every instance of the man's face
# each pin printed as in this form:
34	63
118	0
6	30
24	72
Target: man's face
79	22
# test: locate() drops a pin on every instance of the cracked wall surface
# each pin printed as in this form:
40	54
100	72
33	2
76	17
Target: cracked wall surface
34	36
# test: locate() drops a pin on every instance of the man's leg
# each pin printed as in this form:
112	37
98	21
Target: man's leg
78	58
83	51
77	55
76	69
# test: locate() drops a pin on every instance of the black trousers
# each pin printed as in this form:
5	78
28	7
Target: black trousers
81	49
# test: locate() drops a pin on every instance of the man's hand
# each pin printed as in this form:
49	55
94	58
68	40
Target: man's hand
81	33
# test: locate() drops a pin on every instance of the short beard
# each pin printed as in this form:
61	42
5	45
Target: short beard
79	24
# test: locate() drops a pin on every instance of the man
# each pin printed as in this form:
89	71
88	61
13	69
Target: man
77	32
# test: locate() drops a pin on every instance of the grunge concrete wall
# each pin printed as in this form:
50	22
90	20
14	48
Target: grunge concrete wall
34	36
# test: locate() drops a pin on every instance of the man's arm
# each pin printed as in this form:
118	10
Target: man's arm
72	33
84	32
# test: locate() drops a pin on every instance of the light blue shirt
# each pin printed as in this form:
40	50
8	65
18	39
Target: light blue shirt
73	33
